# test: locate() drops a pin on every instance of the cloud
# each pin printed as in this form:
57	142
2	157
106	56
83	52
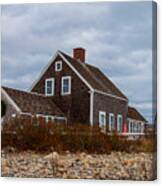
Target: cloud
117	37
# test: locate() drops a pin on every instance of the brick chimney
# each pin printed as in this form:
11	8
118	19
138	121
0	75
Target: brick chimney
79	53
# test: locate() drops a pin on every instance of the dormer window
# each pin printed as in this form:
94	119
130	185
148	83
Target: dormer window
58	66
49	87
66	85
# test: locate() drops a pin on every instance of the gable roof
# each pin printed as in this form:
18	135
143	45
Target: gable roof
33	103
90	75
95	77
134	114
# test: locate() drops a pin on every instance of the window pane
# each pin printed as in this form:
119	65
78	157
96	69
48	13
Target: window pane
66	82
66	85
131	127
49	83
49	90
120	121
49	86
65	89
112	122
58	66
102	119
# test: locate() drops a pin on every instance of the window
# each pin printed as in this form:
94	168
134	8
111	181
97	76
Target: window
49	87
130	126
102	118
138	127
49	118
135	127
66	85
111	122
58	66
13	115
142	127
119	123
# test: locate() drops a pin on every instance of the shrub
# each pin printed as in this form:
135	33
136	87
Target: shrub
33	134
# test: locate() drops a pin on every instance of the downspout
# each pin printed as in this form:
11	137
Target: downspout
91	107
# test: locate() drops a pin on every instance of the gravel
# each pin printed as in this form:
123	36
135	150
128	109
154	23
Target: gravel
117	165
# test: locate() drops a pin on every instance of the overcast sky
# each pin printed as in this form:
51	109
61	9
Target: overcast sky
117	37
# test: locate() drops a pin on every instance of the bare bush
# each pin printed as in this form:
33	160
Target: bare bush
35	134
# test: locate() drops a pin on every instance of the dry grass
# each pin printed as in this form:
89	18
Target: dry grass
33	134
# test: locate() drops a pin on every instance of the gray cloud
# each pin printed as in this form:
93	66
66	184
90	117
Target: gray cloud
117	37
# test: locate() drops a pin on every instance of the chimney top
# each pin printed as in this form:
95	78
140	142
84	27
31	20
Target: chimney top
79	54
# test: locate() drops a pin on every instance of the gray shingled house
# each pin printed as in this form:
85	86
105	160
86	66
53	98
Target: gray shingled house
70	89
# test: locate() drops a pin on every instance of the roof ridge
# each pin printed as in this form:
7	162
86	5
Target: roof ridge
100	85
34	93
85	66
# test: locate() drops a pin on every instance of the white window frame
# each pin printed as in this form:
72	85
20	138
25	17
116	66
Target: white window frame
142	127
118	124
102	113
53	87
135	126
62	85
13	115
49	117
52	117
110	124
130	126
56	67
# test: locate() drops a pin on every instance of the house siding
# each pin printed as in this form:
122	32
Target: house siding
75	105
109	105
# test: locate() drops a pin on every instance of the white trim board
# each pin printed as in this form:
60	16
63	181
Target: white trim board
91	107
43	115
110	95
10	100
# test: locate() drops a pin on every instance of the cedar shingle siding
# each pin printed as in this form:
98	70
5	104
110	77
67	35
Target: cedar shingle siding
76	106
109	105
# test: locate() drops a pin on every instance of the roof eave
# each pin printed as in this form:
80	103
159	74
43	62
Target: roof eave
10	100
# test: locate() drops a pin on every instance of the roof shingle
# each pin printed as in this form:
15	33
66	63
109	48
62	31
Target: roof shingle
33	103
134	114
95	77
